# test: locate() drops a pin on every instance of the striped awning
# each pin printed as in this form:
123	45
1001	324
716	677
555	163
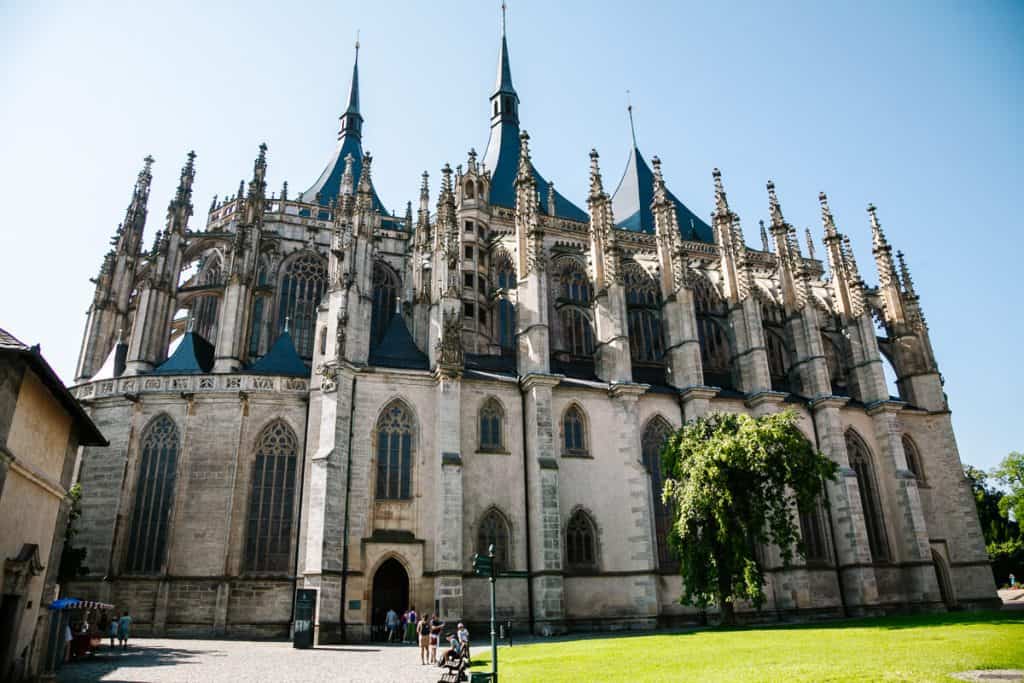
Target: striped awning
75	603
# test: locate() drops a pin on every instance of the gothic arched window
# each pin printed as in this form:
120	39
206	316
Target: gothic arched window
913	459
860	461
574	432
494	531
258	306
506	278
814	534
581	542
268	541
492	418
773	319
302	287
655	434
154	496
836	367
206	307
643	305
715	352
385	292
395	430
575	294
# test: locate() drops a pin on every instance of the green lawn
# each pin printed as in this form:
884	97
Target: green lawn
914	648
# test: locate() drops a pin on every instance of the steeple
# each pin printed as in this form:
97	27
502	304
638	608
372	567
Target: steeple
350	134
352	120
632	199
504	100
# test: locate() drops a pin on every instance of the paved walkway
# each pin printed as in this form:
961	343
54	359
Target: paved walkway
160	660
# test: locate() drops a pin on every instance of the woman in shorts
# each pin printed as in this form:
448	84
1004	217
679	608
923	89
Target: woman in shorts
423	636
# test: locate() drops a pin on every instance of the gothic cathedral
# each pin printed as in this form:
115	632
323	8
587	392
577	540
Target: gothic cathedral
313	391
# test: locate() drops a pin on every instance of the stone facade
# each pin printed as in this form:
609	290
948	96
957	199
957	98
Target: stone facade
486	372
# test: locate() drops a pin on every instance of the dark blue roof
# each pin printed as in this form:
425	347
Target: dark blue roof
631	203
396	349
328	185
502	159
194	355
281	359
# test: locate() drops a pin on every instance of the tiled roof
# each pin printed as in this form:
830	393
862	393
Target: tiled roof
281	359
89	434
396	349
194	355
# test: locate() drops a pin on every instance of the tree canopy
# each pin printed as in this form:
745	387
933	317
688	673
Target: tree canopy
734	482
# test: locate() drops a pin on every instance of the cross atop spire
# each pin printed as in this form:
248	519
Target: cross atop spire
505	107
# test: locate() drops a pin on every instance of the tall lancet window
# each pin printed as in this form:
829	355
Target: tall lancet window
395	431
643	304
575	295
154	496
494	531
506	319
715	352
302	287
259	304
385	292
861	463
773	319
654	437
268	541
207	305
581	543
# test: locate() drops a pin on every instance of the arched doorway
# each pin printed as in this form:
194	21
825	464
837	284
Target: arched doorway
390	591
942	578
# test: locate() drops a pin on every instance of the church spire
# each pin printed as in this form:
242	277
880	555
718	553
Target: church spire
352	120
504	100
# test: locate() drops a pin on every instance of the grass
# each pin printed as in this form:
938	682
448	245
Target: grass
912	648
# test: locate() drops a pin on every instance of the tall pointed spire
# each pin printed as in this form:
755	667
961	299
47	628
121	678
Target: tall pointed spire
629	110
352	120
503	83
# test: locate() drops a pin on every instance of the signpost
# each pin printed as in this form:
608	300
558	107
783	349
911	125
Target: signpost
305	617
483	565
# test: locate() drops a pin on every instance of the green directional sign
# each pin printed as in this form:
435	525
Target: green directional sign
483	565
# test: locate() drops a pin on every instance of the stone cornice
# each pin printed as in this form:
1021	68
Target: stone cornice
627	390
759	398
537	379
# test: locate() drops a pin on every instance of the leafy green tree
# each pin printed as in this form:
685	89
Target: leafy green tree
988	500
1010	475
732	482
72	560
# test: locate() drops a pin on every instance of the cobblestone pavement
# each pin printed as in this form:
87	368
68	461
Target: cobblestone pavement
160	660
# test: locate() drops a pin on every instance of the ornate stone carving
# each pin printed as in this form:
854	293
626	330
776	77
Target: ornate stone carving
450	354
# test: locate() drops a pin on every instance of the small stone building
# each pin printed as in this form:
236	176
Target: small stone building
314	391
41	429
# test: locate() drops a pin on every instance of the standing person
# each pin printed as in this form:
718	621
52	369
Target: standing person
410	625
436	626
463	634
67	642
391	621
1013	581
423	633
113	631
123	626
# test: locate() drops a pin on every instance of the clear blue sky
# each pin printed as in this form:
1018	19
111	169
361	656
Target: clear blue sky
913	106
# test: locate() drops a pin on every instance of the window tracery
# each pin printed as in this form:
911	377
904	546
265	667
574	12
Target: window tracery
385	293
395	430
643	306
272	500
154	496
655	434
492	419
302	287
574	433
861	462
494	530
581	542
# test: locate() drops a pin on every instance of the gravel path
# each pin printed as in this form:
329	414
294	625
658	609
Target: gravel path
159	660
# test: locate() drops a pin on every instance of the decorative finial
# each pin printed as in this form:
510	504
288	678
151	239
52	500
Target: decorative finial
810	243
721	202
504	19
357	45
190	322
773	206
908	282
765	244
629	110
